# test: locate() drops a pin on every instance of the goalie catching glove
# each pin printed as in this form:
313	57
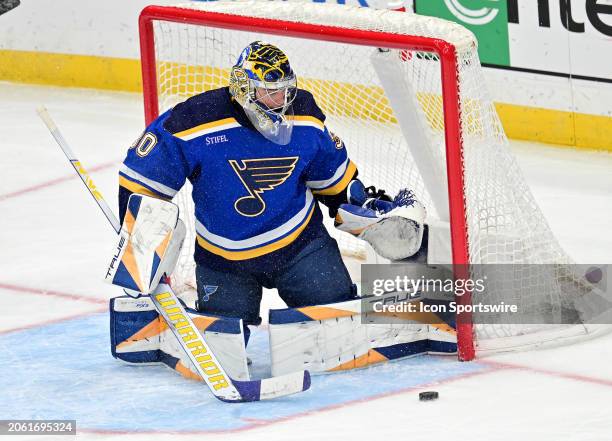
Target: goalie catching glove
394	228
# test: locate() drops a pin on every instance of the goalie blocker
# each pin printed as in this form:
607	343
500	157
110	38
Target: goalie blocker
149	245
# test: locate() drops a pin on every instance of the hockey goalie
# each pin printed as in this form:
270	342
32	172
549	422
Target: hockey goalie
260	159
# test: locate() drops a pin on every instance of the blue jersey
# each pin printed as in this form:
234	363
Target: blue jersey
252	197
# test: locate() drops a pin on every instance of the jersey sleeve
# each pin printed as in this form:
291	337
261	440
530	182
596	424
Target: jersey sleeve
331	170
154	165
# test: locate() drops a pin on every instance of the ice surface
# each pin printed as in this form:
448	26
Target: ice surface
55	360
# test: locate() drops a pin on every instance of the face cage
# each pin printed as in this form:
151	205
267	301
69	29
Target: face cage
269	89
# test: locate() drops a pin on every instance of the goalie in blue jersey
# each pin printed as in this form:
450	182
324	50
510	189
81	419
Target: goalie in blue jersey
260	158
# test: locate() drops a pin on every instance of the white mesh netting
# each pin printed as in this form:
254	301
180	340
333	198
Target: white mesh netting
364	92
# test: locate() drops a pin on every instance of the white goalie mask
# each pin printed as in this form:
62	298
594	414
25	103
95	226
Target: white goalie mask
263	83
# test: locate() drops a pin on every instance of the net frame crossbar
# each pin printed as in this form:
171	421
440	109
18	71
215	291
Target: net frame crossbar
446	52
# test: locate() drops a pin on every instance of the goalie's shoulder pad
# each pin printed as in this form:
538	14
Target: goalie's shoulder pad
205	108
305	105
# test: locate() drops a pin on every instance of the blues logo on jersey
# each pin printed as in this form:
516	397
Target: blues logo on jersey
209	290
257	176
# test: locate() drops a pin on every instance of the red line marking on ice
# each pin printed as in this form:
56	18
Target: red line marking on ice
257	424
412	389
492	367
565	375
52	182
52	321
46	292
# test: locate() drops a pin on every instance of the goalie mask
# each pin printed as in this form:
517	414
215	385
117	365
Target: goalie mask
264	84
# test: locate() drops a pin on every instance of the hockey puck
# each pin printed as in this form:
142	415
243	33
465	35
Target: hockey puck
594	274
428	396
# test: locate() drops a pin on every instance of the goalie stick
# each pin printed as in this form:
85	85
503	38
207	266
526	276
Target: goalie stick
170	308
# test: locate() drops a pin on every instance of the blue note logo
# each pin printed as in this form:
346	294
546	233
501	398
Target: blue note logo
257	176
209	290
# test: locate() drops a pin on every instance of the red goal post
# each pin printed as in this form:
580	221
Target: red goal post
450	97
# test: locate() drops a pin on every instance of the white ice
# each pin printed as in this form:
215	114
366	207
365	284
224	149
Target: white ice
55	245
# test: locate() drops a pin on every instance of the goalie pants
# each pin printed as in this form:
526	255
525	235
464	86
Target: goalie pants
315	275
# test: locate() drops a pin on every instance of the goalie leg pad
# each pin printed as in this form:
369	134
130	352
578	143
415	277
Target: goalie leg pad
339	336
140	336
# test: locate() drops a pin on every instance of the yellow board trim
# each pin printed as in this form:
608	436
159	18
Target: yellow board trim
536	124
341	184
593	130
70	70
256	252
577	130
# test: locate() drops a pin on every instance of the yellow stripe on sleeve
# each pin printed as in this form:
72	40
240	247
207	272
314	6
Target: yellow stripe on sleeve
205	126
341	184
135	187
308	118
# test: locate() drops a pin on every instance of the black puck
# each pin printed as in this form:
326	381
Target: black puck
428	396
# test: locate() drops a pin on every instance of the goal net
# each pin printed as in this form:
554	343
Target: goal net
407	95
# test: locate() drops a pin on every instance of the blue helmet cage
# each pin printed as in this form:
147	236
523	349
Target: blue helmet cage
260	74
